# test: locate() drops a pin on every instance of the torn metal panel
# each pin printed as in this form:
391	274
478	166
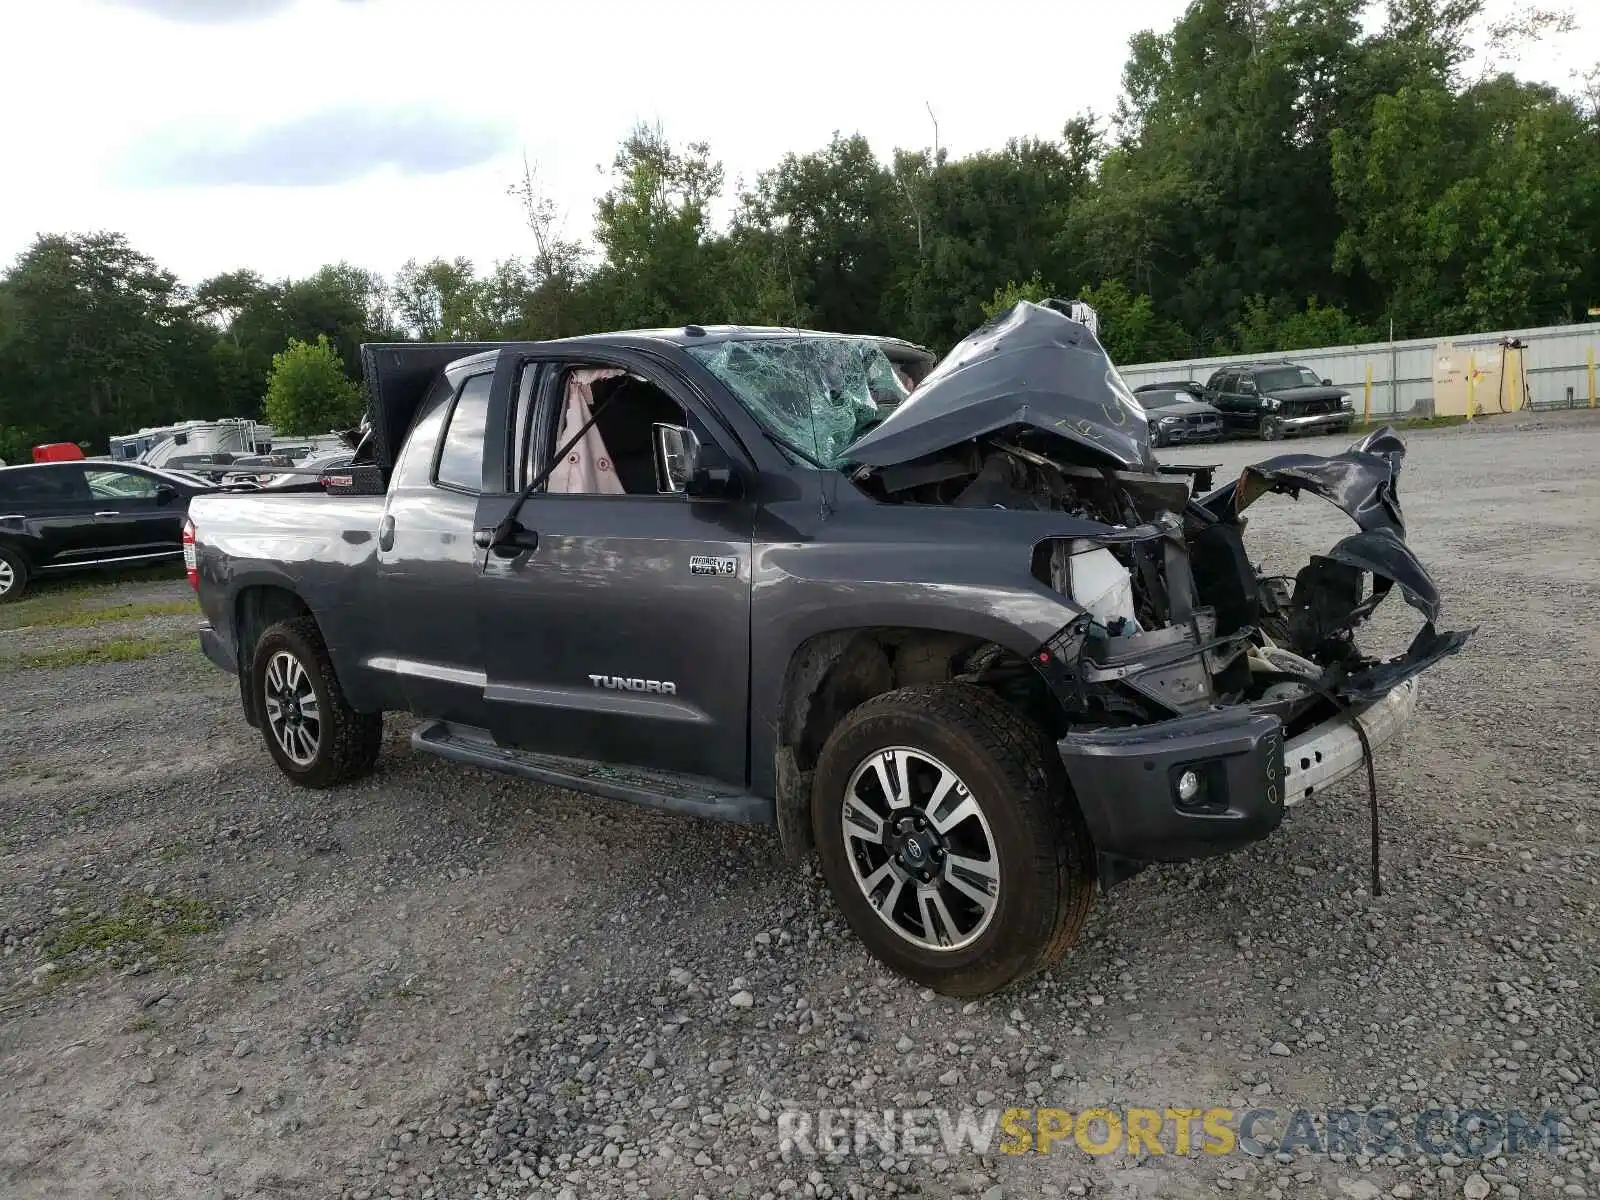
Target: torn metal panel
1031	366
1390	561
1363	482
1427	648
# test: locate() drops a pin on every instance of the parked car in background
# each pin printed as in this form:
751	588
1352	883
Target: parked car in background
1176	417
1278	399
66	516
1196	389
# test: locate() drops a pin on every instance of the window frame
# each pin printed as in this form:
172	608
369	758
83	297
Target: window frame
444	435
548	400
78	493
151	496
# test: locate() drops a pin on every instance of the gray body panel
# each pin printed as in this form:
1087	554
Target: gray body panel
417	617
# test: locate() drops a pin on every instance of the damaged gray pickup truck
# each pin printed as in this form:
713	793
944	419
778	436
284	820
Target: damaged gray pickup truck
949	626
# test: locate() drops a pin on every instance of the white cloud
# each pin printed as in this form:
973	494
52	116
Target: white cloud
332	146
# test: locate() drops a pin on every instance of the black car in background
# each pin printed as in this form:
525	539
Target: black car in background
1278	399
66	516
1177	416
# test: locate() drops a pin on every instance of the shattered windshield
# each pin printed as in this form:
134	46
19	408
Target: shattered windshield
815	395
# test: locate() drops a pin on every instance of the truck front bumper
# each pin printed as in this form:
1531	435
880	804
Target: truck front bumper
1126	781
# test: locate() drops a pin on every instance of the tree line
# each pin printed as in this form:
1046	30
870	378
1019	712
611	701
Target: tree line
1273	177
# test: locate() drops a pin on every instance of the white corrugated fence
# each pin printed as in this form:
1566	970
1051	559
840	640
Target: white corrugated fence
1558	363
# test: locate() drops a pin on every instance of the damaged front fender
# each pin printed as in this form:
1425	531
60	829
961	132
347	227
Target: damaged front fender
1316	620
1364	482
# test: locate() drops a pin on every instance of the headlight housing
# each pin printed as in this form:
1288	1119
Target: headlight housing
1271	403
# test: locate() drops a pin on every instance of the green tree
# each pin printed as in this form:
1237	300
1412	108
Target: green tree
1013	293
1275	326
1130	330
97	339
308	391
654	227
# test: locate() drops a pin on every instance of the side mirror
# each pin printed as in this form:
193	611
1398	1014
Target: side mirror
165	493
677	453
685	467
1327	383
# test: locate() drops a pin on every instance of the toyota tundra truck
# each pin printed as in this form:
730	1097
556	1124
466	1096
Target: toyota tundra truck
949	626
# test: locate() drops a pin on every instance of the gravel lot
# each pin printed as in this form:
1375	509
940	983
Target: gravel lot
445	983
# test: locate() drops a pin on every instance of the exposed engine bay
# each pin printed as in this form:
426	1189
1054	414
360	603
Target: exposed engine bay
1176	618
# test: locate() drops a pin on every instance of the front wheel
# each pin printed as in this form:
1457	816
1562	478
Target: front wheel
1271	429
311	731
949	839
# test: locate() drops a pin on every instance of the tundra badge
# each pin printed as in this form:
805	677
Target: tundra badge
621	683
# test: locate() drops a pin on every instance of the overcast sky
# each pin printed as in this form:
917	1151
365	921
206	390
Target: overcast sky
283	134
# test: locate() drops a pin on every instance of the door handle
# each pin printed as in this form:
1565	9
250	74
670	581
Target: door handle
386	533
108	514
519	541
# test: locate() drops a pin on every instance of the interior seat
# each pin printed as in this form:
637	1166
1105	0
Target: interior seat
627	425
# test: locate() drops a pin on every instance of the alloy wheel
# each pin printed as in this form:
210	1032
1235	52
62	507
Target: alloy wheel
921	849
292	711
8	577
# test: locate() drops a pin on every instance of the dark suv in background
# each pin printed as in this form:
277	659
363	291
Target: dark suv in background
1278	399
66	516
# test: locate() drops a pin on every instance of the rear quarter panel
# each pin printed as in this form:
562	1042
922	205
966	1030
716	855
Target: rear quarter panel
321	548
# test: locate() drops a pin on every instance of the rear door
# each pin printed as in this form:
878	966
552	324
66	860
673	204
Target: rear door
427	566
624	635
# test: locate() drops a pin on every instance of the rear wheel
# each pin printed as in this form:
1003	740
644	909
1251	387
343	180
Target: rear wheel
949	839
13	575
311	731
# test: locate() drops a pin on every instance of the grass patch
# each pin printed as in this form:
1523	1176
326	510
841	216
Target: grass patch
47	612
1408	423
142	926
115	650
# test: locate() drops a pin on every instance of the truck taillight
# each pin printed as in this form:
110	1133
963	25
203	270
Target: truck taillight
190	565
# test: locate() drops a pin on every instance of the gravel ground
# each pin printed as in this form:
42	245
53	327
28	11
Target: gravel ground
441	982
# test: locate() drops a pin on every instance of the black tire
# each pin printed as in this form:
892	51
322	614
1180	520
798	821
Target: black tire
1044	856
1271	429
13	575
346	742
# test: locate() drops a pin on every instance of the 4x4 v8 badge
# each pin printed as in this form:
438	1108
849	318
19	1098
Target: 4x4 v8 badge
706	564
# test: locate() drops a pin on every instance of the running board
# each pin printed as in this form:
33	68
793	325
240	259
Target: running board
690	795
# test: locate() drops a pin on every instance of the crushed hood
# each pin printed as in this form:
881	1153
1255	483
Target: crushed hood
1029	366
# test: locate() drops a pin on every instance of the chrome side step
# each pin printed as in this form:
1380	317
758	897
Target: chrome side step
690	795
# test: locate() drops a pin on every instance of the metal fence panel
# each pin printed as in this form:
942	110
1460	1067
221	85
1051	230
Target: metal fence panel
1556	362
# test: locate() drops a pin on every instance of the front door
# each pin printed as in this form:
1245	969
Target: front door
624	635
130	515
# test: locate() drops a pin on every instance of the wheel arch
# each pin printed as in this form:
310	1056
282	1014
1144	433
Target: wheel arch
256	608
833	672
